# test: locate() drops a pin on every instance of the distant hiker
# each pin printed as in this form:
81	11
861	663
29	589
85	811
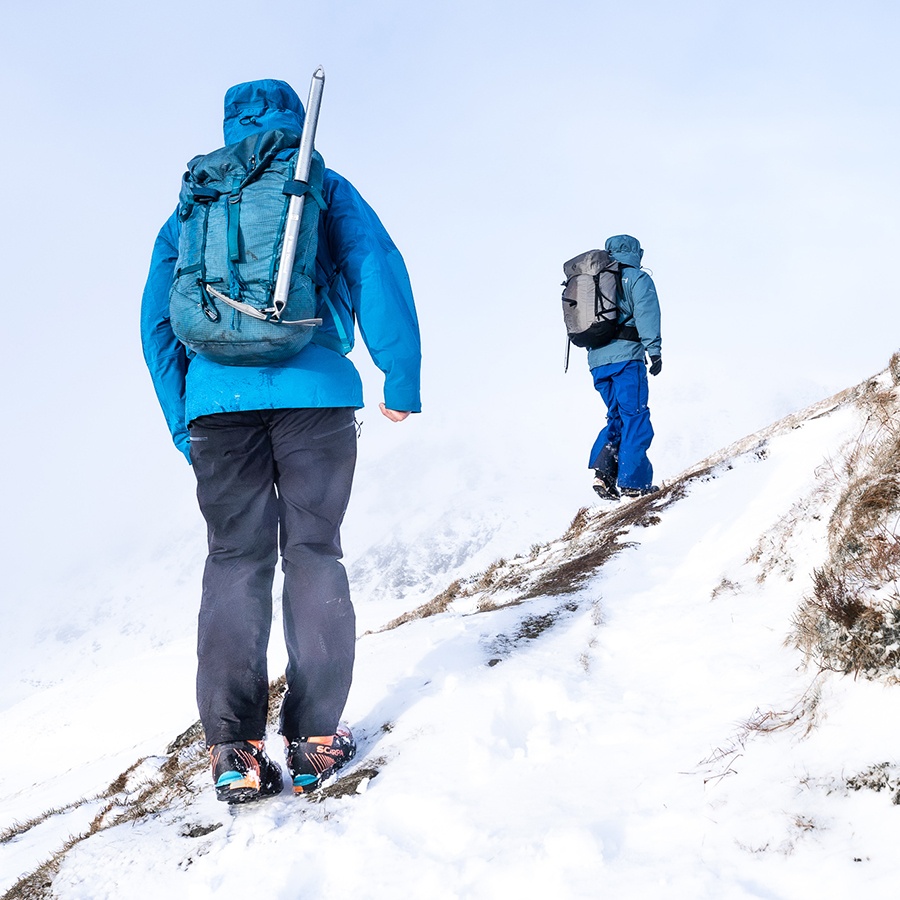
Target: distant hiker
616	353
273	446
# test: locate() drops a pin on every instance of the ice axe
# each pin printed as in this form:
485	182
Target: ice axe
295	207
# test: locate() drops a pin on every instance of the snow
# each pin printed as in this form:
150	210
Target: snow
650	733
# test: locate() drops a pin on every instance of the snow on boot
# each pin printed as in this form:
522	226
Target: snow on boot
312	760
241	771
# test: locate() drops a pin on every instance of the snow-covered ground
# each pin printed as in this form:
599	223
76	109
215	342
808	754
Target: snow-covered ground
645	732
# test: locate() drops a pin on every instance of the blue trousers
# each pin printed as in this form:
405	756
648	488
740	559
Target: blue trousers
620	451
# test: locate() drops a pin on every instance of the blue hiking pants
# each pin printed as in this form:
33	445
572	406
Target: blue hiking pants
267	478
620	451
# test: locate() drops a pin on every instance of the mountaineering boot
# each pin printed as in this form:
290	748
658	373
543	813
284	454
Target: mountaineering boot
605	485
312	760
639	492
241	771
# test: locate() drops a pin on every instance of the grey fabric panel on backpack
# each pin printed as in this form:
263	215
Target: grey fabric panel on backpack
232	210
590	309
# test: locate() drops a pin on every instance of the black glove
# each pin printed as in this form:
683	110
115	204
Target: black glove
655	365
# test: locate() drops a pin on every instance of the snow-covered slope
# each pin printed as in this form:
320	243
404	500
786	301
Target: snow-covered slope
621	712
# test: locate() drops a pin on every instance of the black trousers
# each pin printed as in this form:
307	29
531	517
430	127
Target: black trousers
265	477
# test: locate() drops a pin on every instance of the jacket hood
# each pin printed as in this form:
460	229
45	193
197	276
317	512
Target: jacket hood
625	249
263	105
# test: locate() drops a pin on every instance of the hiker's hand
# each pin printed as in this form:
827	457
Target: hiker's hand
395	415
655	365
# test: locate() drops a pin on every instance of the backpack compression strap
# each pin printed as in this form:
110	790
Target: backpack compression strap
297	188
340	345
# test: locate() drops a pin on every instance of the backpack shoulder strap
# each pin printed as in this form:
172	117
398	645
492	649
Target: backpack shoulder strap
625	332
340	345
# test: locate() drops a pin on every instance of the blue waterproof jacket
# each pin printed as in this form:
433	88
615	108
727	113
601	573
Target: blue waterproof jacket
358	264
638	306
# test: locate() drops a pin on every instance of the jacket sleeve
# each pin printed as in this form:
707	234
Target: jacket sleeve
646	313
164	354
379	291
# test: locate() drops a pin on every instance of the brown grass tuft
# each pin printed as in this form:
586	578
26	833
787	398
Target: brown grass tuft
843	633
38	885
347	785
568	575
894	367
433	607
578	523
836	599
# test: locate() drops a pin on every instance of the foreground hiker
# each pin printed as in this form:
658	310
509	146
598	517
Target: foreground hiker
273	442
611	308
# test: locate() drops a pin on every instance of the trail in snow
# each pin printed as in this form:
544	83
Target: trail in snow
603	750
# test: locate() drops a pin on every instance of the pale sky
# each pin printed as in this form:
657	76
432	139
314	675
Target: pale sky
750	147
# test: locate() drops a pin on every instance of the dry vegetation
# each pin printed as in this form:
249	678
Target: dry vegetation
880	777
147	787
560	567
851	622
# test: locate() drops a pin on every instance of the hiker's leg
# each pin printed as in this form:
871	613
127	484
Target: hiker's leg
232	460
605	452
315	455
635	470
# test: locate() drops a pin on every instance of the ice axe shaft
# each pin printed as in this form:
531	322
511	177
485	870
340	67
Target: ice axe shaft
295	206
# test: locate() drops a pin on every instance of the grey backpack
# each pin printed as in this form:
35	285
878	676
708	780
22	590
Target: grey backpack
590	309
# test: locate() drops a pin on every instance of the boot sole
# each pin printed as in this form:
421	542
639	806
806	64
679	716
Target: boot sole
237	794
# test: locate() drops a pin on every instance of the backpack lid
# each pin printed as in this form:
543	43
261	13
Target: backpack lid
593	262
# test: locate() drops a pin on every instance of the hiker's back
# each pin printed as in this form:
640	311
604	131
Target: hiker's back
359	275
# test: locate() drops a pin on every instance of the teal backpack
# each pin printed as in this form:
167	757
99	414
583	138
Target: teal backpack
232	211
